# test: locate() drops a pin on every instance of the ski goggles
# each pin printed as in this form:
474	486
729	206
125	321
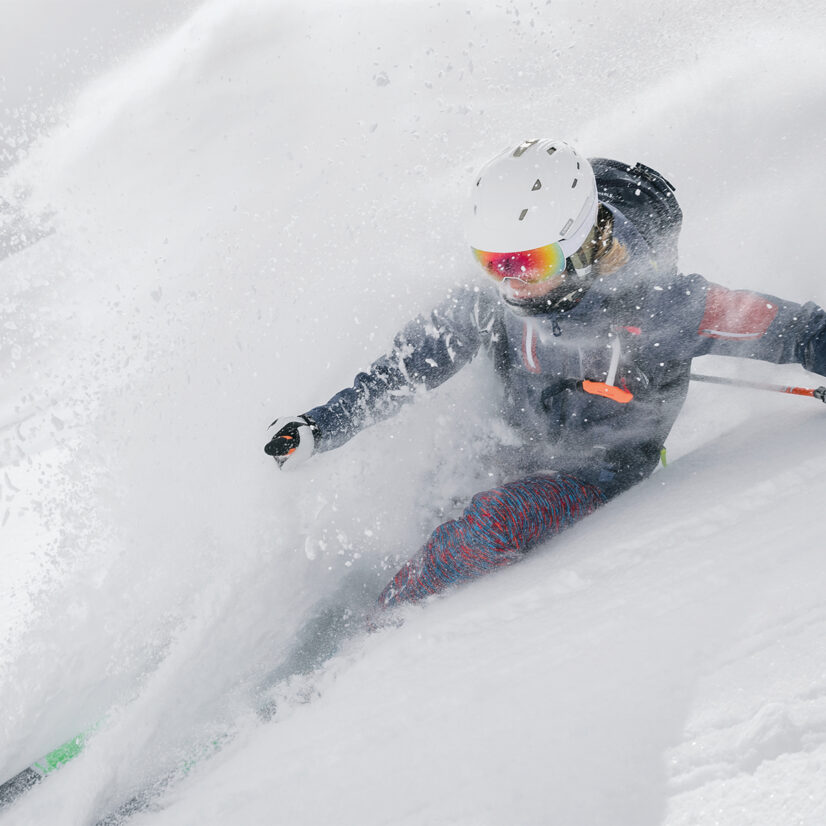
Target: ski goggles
531	266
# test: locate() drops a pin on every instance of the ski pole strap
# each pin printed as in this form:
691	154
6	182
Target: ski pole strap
815	393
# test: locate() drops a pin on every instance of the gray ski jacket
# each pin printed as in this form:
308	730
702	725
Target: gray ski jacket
637	330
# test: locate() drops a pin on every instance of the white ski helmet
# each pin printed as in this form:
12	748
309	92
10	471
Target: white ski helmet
538	193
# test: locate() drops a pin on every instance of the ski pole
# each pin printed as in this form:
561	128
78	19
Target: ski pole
813	392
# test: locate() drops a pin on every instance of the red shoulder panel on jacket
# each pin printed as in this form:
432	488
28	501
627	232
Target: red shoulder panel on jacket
736	314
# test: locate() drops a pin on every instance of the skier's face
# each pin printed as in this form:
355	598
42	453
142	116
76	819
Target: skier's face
537	278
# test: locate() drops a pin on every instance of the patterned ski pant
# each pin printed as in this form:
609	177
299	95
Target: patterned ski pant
496	529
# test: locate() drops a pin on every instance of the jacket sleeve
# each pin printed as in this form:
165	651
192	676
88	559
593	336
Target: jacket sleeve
745	324
427	352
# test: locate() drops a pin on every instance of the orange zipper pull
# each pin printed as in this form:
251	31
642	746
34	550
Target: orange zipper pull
607	391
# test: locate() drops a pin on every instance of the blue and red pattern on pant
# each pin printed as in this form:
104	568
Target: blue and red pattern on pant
496	529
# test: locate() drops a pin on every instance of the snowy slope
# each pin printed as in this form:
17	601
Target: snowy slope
667	669
237	217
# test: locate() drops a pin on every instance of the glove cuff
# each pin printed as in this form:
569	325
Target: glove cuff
314	428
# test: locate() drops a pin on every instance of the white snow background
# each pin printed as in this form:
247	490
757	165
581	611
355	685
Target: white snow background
237	204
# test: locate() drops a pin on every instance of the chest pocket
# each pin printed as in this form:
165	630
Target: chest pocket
611	358
546	350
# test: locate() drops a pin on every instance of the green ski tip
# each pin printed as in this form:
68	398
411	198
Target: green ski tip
61	755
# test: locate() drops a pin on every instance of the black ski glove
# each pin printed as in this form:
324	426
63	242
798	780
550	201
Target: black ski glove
293	442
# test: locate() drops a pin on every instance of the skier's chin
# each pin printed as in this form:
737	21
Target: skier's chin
528	306
557	300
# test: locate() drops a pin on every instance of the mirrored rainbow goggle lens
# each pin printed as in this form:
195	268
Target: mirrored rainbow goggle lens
531	266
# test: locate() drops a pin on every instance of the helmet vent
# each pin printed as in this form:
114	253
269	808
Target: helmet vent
564	231
523	214
573	185
479	181
537	185
550	150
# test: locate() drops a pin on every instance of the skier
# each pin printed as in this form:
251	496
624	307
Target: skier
591	329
